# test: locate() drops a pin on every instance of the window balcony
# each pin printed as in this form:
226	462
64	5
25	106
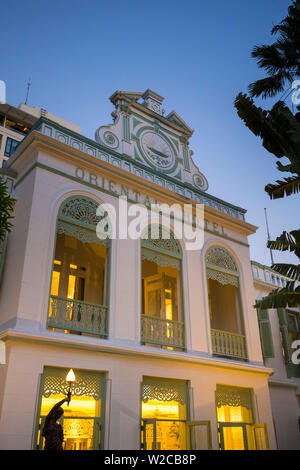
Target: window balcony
228	344
160	332
76	316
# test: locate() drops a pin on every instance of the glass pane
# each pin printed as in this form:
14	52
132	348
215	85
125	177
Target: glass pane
78	434
260	437
199	438
154	302
234	414
250	438
148	436
170	435
163	410
233	438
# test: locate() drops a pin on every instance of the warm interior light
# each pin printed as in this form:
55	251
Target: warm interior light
70	377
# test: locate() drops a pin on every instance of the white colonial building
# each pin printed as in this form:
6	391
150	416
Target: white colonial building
164	341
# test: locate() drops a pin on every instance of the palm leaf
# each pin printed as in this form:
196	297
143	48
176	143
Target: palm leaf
289	296
287	242
290	185
289	270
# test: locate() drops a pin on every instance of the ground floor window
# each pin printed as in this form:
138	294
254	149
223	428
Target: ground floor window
236	427
164	414
83	418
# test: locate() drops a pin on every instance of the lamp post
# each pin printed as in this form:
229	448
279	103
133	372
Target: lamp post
70	379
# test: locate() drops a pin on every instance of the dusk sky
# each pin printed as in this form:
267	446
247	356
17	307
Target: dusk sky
196	54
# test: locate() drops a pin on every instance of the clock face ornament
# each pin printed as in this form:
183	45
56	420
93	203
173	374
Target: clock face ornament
157	150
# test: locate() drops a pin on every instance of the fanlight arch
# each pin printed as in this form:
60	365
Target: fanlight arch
159	244
221	266
77	216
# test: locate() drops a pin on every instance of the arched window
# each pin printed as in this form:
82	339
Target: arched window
226	320
79	286
162	312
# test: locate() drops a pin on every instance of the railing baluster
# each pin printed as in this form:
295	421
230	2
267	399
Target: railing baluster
228	344
162	332
77	315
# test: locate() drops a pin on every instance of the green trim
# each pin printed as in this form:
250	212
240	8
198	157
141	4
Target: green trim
103	190
265	333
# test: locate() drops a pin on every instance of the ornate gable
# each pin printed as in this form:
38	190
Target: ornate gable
142	132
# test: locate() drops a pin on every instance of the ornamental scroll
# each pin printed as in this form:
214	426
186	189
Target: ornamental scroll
164	390
77	217
160	246
86	383
233	397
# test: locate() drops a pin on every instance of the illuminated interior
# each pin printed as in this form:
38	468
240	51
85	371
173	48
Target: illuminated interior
79	271
78	420
169	427
161	291
234	436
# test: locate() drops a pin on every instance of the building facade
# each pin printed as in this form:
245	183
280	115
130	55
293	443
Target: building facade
279	328
164	340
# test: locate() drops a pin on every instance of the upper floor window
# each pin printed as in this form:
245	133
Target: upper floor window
79	297
10	146
228	338
162	312
17	126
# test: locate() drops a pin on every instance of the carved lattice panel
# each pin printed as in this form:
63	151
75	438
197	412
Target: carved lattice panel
233	397
160	239
223	278
164	390
87	383
218	257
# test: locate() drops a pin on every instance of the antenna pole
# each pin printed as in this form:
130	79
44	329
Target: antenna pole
28	85
269	238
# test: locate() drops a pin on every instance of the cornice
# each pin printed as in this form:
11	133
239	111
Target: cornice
106	346
37	141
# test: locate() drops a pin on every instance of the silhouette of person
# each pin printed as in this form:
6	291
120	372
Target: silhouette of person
53	431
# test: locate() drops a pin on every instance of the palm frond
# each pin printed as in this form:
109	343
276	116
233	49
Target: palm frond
286	241
290	185
289	296
289	270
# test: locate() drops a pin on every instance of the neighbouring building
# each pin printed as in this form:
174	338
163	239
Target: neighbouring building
16	123
164	340
279	328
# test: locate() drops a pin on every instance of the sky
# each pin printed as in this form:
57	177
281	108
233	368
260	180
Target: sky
197	54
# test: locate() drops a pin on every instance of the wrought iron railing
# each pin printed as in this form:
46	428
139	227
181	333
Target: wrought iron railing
162	332
228	344
77	316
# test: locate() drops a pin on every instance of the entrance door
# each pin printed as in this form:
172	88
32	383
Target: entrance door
175	435
242	436
164	434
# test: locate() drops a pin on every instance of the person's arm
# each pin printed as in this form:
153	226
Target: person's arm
58	405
